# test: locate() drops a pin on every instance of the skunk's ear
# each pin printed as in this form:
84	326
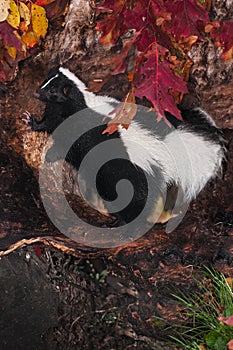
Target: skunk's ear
52	73
66	89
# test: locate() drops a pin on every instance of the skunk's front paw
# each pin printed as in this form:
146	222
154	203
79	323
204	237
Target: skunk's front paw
28	120
33	124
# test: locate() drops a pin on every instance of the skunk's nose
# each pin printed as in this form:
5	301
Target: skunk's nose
36	94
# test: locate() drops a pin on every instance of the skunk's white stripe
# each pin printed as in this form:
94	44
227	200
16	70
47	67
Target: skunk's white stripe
183	157
100	104
207	116
43	86
80	85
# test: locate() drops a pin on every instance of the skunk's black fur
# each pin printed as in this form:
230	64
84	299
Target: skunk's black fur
64	94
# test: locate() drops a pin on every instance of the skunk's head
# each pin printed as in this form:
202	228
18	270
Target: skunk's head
59	88
65	94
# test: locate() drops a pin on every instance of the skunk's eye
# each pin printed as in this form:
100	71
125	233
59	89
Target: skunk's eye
66	90
52	90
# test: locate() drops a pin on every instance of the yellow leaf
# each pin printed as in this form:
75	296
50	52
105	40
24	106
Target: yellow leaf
25	13
39	20
4	9
12	51
13	18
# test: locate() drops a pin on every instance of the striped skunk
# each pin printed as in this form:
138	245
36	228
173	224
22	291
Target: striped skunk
185	154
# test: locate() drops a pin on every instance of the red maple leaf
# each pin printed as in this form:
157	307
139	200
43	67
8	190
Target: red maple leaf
158	26
142	18
154	81
226	38
145	39
144	15
54	8
136	18
119	60
112	26
109	6
186	15
222	34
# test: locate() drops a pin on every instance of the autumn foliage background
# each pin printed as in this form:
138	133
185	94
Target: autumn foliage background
155	56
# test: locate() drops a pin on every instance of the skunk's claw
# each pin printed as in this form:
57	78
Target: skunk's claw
28	118
27	115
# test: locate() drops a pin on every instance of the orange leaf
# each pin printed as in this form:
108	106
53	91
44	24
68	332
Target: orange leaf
23	27
227	55
111	128
131	76
202	347
125	112
30	39
229	281
186	43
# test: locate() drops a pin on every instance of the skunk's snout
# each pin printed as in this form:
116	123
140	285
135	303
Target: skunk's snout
36	95
41	95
